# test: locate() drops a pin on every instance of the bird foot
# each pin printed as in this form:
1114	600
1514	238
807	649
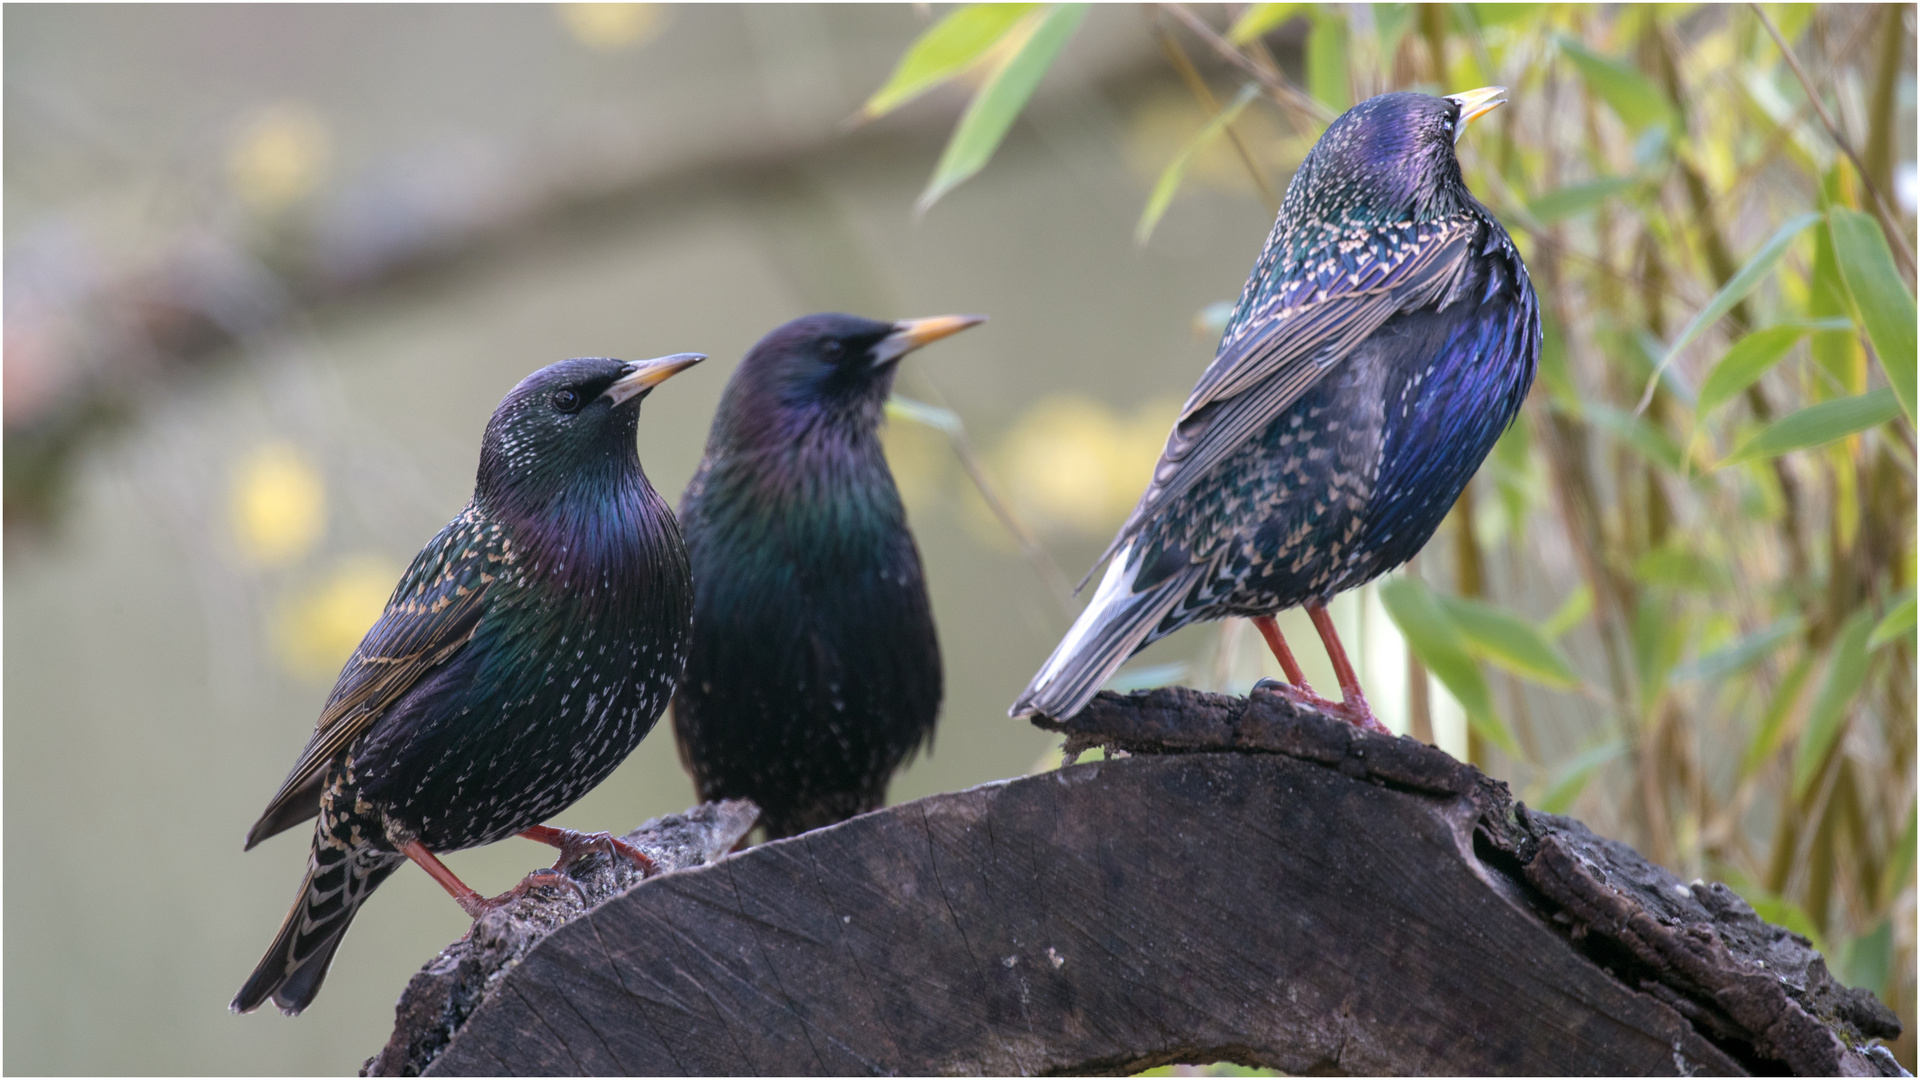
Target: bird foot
1354	710
476	906
573	845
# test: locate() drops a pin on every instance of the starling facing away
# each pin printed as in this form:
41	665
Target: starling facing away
529	648
815	671
1386	337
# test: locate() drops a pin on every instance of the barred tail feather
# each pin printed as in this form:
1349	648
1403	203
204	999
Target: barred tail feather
1117	623
339	879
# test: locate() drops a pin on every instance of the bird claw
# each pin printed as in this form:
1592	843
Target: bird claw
1354	710
541	878
573	845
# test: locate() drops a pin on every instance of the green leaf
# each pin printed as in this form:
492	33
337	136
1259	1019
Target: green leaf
999	101
1145	678
1900	864
1638	432
1818	424
1658	635
1507	640
1827	717
1632	97
919	412
1780	911
1570	779
1577	199
1257	19
1327	77
946	49
1169	182
1571	612
1752	356
1865	961
1435	639
1896	624
1773	723
1737	287
1740	655
1886	307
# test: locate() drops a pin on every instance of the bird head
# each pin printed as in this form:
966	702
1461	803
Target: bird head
565	423
1390	158
838	361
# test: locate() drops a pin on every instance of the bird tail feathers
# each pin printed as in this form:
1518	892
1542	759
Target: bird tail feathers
338	881
1117	623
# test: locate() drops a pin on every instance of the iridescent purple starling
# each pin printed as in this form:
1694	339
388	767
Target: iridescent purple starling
815	671
529	648
1386	337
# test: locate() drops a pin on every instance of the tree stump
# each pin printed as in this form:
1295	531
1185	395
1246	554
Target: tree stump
1256	883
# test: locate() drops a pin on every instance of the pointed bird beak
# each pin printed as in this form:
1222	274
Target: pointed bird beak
910	334
1475	103
644	375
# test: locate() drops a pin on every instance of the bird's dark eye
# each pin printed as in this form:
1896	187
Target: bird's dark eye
566	401
832	349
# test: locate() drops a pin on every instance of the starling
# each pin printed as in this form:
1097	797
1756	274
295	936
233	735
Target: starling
528	649
815	671
1386	337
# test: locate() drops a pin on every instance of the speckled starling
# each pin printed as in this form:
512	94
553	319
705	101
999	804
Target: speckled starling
1384	340
529	648
815	672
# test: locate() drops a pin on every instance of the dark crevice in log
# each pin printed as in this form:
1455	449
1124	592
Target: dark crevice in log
1258	884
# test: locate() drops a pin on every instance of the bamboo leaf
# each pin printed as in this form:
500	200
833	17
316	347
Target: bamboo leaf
1257	19
1509	642
1740	655
1752	356
999	101
1827	717
1327	78
1780	911
919	412
1435	639
947	48
1758	266
1773	723
1176	170
1639	433
1570	779
1886	307
1577	199
1818	424
1571	613
1900	866
1631	96
1895	625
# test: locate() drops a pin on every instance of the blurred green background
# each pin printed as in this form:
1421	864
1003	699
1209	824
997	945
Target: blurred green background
268	269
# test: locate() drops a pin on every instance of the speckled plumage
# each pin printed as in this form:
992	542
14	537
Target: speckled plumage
528	649
1385	338
815	671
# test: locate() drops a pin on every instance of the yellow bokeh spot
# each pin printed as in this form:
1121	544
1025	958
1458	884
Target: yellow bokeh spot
278	504
319	626
611	27
279	156
1072	463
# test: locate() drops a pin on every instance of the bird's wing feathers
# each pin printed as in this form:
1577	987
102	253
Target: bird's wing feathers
431	615
1285	348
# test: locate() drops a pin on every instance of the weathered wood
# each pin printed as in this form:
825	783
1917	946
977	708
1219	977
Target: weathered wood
1257	884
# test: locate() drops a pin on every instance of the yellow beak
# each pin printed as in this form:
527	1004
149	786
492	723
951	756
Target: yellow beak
910	334
1476	103
647	374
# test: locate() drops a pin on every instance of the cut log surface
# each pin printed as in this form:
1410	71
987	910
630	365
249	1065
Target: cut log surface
1256	883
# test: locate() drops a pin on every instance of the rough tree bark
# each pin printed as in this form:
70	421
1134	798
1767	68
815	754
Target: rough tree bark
1255	883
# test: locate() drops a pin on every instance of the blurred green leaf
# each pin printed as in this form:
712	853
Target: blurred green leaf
1771	730
1886	307
1638	432
1740	655
1895	625
1576	199
1900	864
1780	911
919	412
1257	19
1758	266
999	101
1170	177
1827	716
1631	96
1145	678
1327	77
945	49
1841	353
1865	961
1571	612
1678	568
1752	356
1571	777
1659	633
1818	424
1509	641
1435	640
